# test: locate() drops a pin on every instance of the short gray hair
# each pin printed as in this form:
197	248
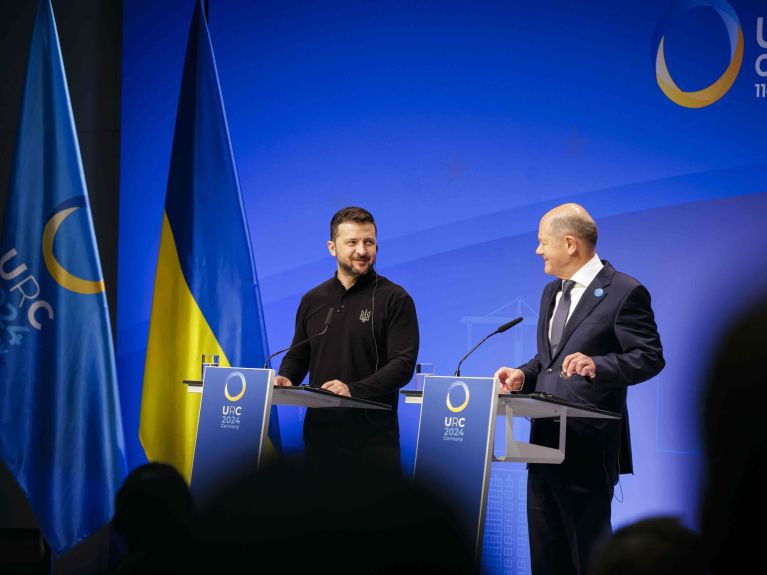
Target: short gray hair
578	227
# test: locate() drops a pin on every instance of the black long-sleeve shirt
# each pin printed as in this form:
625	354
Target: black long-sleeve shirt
371	345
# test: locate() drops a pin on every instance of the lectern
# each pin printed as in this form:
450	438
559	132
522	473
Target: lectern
234	420
456	433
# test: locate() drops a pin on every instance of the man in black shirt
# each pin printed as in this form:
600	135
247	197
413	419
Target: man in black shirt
369	350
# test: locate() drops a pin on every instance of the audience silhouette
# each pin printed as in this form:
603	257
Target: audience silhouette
653	546
156	518
288	518
735	443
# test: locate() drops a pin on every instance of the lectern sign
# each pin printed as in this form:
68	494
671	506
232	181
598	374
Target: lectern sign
455	439
233	424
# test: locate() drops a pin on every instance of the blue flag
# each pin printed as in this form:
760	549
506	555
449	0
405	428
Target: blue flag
60	426
206	297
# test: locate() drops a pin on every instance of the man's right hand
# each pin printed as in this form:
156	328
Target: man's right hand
511	379
283	381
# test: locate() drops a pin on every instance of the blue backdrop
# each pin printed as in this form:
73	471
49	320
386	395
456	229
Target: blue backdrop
458	124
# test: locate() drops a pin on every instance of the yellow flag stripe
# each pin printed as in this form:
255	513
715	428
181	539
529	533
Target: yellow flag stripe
178	337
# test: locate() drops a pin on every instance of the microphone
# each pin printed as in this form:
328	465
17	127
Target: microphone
328	319
505	327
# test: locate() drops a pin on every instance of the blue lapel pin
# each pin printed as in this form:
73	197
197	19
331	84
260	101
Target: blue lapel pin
599	292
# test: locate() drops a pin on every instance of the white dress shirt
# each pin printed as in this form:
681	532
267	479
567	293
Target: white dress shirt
582	278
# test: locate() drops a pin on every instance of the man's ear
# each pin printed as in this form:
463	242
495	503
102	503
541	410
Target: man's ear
572	244
332	248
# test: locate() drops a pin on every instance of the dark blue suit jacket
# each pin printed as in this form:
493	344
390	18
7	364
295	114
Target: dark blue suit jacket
613	323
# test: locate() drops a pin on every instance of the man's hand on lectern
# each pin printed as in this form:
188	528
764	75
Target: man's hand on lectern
283	381
511	379
338	387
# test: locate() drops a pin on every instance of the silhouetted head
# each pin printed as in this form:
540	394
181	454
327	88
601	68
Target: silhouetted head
154	509
735	443
353	521
655	546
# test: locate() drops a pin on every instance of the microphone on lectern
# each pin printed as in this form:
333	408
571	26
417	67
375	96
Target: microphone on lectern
328	319
507	326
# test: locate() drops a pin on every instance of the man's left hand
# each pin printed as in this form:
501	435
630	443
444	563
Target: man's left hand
577	363
338	387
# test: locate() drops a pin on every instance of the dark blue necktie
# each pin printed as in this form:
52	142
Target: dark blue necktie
560	315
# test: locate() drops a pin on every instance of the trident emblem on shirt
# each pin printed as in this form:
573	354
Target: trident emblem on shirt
364	315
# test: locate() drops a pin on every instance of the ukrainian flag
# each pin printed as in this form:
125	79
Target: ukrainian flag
206	298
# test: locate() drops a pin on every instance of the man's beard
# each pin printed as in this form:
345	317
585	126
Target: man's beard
349	268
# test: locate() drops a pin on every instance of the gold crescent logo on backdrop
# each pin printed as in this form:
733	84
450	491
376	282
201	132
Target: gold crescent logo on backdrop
713	92
62	276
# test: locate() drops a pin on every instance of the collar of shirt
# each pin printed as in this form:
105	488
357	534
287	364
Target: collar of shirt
582	278
361	282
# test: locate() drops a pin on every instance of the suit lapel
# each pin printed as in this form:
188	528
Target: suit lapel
589	300
547	308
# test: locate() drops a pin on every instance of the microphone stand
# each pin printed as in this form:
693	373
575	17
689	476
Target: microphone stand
328	318
504	327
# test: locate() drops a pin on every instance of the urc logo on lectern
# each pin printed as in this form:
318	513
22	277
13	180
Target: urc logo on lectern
455	426
230	414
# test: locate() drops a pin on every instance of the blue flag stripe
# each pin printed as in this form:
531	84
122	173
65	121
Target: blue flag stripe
220	306
204	208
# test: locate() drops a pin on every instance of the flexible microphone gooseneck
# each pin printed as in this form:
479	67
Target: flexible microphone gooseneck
328	319
508	325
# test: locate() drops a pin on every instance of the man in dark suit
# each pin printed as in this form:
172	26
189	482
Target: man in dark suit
596	336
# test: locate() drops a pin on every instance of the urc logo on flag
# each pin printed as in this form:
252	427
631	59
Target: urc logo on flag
31	309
